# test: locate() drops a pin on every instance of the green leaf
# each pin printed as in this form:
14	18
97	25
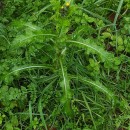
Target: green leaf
42	10
9	126
14	121
95	15
32	26
120	40
1	119
23	40
97	85
106	35
67	95
117	61
120	48
40	107
26	67
89	109
89	44
30	112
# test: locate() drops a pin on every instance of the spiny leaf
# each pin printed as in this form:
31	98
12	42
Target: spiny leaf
23	40
66	98
25	67
96	85
89	44
32	26
65	79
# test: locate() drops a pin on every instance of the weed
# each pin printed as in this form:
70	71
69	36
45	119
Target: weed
64	65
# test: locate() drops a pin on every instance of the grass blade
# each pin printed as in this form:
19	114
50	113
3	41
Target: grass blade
42	10
87	106
30	113
5	38
117	13
41	114
48	87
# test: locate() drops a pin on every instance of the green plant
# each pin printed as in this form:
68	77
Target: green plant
62	65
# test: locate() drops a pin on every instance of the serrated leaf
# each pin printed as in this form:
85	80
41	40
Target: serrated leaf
25	67
23	40
66	98
97	85
91	45
32	26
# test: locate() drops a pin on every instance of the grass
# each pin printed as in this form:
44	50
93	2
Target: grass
88	108
64	66
118	12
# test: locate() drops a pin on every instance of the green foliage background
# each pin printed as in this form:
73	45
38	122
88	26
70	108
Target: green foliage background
64	65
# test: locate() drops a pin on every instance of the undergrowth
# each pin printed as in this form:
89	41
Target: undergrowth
64	65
